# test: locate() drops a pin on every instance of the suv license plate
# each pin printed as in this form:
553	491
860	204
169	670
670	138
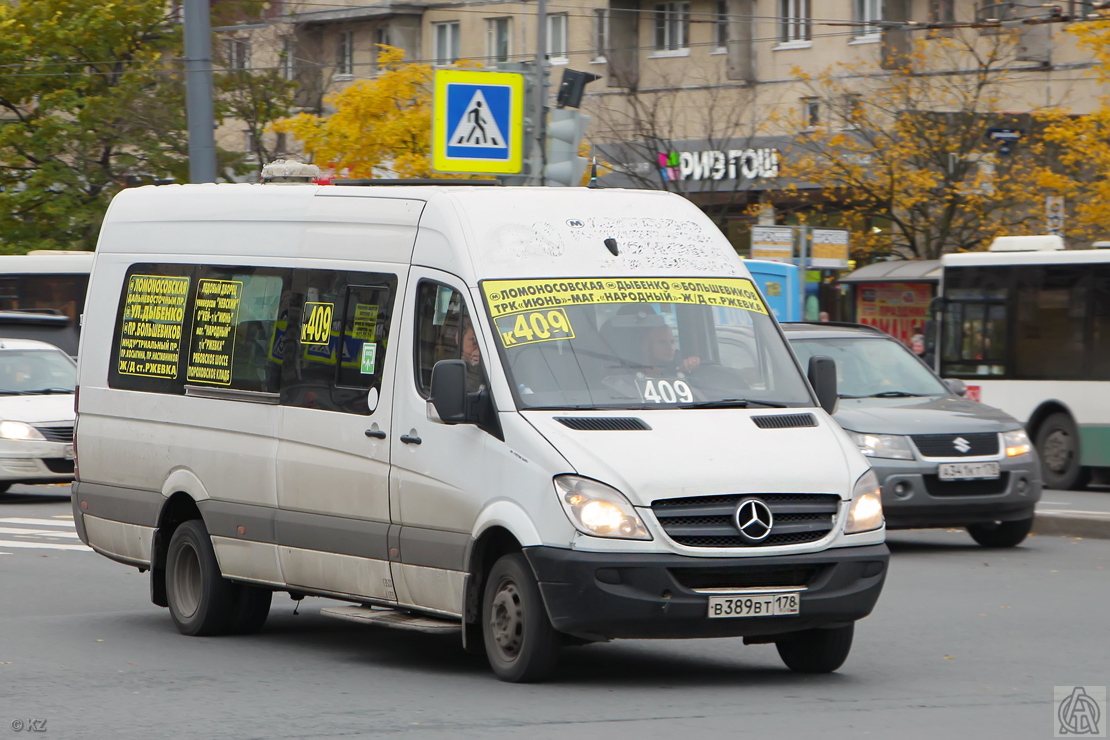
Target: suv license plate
755	605
967	471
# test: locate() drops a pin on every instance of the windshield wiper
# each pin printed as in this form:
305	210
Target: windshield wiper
890	394
731	403
46	391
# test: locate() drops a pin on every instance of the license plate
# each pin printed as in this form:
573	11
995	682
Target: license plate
69	452
754	605
967	471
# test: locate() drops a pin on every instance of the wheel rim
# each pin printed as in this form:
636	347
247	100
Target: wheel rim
186	581
507	620
1057	452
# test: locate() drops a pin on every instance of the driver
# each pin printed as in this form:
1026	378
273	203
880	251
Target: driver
658	351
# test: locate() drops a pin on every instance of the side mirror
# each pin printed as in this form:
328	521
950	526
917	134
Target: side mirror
449	391
957	386
822	376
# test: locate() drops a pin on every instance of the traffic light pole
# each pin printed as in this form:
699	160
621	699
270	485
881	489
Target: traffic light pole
539	128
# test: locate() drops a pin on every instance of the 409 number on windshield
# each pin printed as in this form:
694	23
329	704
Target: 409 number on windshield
534	326
666	391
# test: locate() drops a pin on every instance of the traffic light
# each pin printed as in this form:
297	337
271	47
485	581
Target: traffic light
564	135
571	88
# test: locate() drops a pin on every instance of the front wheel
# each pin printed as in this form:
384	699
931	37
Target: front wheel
1000	534
521	644
1057	445
816	651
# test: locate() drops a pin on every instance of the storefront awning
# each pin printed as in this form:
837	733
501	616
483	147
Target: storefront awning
896	271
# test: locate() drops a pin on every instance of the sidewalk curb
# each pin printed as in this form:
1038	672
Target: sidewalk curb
1071	525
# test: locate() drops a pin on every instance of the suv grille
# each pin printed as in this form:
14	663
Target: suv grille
709	521
57	434
950	445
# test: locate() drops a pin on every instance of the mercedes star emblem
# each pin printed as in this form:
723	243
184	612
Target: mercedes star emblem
753	519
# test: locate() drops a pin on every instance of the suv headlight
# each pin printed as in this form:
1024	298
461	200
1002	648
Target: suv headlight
598	510
19	430
892	446
866	512
1016	443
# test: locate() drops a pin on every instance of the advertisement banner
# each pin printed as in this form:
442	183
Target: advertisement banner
899	309
830	249
775	243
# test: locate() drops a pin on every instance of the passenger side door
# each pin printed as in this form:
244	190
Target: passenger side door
440	472
333	449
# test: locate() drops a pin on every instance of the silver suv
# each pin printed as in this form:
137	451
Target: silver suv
942	460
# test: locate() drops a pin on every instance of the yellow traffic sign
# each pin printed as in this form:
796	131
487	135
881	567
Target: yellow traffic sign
478	122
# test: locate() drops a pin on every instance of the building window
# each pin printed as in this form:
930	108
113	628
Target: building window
811	114
288	68
794	21
238	54
672	26
345	54
720	26
248	142
447	42
942	11
867	14
994	11
497	39
853	110
281	145
601	34
381	36
557	36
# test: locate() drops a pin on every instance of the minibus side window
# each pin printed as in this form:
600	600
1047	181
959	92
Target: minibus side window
338	341
445	331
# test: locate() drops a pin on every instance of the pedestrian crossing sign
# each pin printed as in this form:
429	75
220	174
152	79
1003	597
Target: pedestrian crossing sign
478	122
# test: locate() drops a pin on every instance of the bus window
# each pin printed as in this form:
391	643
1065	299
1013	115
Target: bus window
1100	325
1051	304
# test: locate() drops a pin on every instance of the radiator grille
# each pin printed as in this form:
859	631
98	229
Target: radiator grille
57	434
978	444
709	521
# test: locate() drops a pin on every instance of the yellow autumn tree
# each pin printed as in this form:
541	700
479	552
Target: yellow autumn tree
381	127
904	157
1081	173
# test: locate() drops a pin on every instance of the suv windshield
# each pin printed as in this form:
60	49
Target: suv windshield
872	367
36	371
641	343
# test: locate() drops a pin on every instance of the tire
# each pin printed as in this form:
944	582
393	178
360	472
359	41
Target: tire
202	602
521	644
1000	534
252	606
1057	445
816	651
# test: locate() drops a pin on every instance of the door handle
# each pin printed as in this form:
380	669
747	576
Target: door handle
410	439
375	433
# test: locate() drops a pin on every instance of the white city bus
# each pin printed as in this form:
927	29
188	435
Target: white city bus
1027	327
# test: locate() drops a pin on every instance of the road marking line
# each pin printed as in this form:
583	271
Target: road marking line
36	522
37	532
1072	511
42	546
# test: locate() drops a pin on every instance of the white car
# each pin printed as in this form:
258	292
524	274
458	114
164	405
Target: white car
36	413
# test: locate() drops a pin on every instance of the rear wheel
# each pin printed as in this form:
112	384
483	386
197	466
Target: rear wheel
252	606
1058	446
521	644
816	651
201	600
1000	534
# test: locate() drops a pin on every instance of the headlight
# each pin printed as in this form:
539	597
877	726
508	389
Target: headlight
866	512
18	430
1016	443
598	510
893	446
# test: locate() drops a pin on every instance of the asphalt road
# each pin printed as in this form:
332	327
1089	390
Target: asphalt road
965	642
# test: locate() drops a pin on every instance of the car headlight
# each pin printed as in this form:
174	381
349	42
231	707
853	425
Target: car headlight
598	510
891	446
1016	443
866	512
18	430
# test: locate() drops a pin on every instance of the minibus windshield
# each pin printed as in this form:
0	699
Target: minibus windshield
635	343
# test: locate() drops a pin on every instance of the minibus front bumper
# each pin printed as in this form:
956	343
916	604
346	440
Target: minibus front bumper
601	596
